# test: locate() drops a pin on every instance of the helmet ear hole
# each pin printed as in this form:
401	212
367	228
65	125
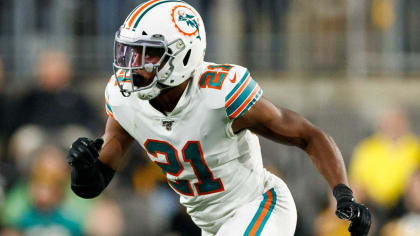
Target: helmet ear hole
187	57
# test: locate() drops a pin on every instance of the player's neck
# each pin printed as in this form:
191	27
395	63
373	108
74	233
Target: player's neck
167	100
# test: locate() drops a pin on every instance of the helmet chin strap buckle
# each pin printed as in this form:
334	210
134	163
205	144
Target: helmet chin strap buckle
148	67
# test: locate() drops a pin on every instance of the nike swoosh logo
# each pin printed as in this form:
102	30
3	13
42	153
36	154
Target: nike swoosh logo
234	79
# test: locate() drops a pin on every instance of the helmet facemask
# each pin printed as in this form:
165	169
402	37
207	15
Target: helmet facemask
126	61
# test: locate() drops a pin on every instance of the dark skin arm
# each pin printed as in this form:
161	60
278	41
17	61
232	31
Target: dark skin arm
287	127
116	144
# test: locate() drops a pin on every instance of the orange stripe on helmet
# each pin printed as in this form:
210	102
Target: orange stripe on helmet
130	22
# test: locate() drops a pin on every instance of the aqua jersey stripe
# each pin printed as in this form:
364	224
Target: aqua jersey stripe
148	9
254	220
109	107
237	86
270	209
253	101
260	209
241	98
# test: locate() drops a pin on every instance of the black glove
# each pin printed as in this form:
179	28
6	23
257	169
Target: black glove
349	209
84	152
89	176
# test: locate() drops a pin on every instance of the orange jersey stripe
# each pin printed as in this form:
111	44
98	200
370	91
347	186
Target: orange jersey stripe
107	109
242	107
108	112
263	214
138	12
243	86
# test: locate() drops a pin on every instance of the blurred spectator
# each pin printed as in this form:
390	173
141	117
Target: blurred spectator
37	208
382	164
383	14
23	143
26	141
105	219
53	104
159	202
22	146
408	224
50	113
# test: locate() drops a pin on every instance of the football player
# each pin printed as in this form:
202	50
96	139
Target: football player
199	122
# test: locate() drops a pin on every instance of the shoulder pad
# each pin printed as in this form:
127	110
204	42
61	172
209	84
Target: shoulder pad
112	93
230	86
113	96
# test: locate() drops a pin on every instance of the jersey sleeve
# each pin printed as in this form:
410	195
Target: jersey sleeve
113	97
240	91
108	107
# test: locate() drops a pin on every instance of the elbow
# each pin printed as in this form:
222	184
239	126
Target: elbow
313	135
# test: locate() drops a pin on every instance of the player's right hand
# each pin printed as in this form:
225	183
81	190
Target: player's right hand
349	209
359	216
84	152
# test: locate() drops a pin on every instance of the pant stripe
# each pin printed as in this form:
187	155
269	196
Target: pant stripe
264	211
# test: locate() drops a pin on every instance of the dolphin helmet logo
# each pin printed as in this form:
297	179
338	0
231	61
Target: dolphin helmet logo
186	21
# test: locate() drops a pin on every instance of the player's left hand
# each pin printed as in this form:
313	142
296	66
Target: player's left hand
84	152
349	209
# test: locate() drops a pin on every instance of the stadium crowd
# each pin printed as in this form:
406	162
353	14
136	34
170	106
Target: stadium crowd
38	124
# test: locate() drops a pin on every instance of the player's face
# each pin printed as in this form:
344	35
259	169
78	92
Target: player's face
152	55
138	57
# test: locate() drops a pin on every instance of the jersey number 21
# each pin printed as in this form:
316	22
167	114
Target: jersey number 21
192	153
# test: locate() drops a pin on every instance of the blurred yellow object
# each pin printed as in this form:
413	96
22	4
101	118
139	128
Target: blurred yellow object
383	167
383	16
327	224
408	224
146	177
50	168
390	229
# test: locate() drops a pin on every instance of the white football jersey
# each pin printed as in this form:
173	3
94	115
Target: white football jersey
212	169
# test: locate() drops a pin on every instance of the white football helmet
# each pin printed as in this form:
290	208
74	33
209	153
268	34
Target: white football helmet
171	30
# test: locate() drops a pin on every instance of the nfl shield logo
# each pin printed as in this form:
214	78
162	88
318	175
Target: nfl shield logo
167	124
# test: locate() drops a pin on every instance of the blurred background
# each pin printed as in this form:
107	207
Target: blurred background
352	67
